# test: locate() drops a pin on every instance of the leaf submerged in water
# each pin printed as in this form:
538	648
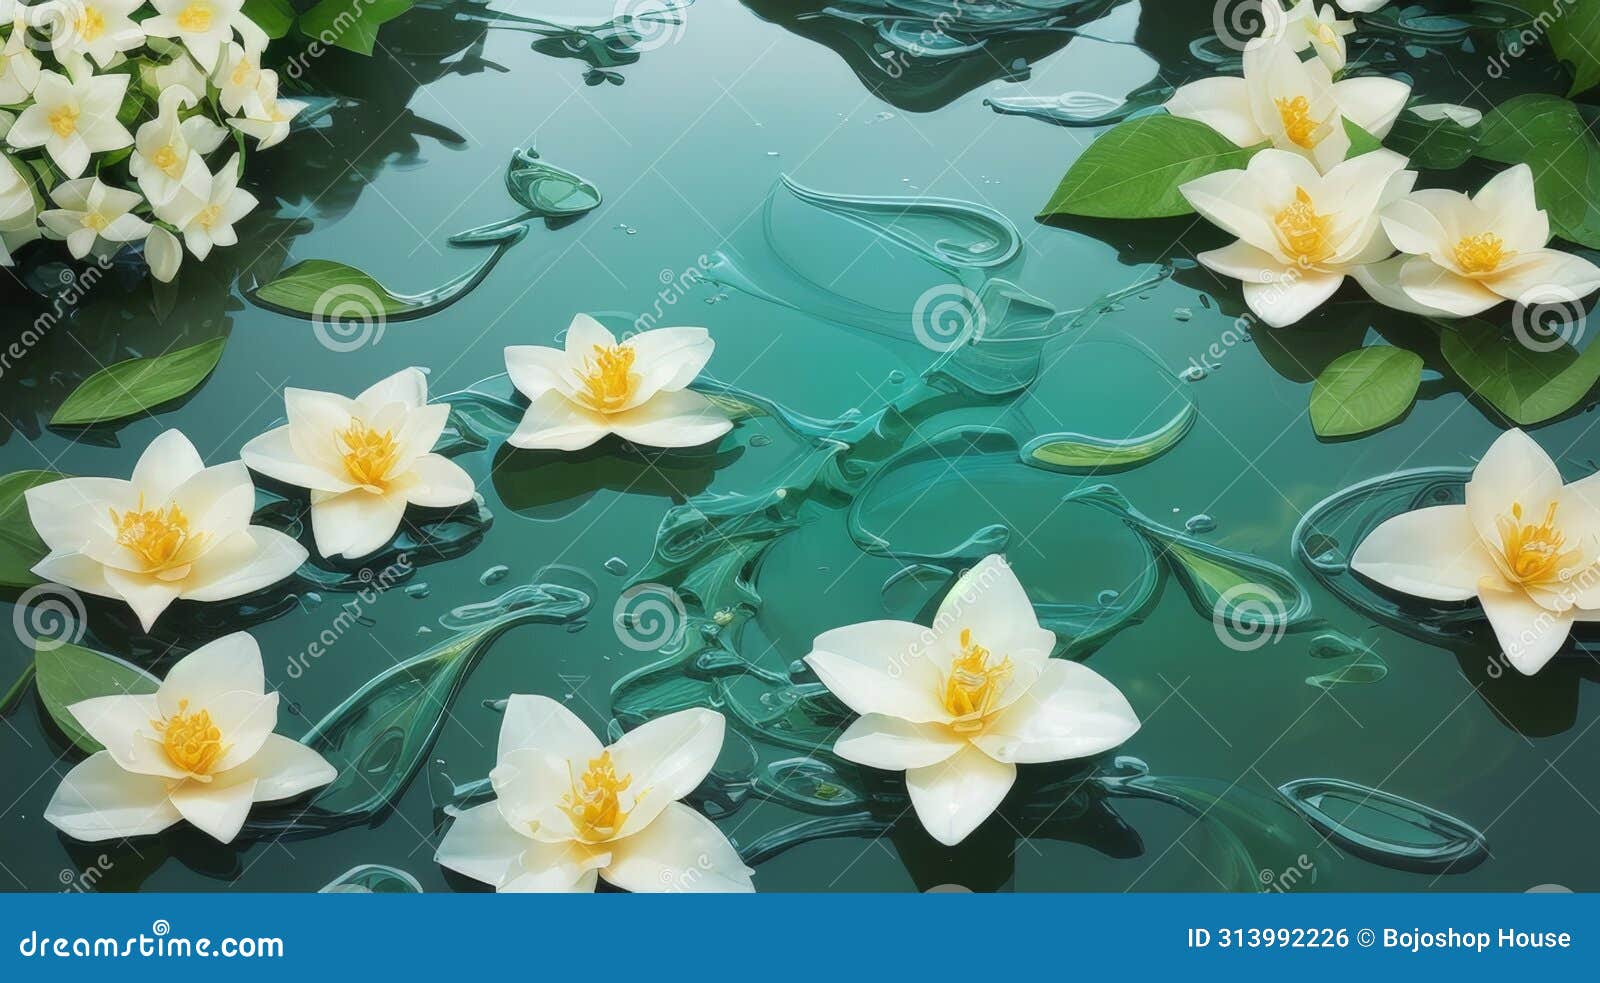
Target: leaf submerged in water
138	385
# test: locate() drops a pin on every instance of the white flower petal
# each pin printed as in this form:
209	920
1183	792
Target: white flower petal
889	667
1372	102
100	801
228	664
281	769
668	758
61	511
1546	276
585	334
954	797
554	422
481	846
146	595
438	482
166	463
892	744
261	558
1070	712
1381	281
1529	635
545	868
355	523
528	786
1515	470
1433	553
1431	285
667	359
408	387
535	370
672	419
1283	304
1222	103
217	811
543	724
680	850
122	724
273	455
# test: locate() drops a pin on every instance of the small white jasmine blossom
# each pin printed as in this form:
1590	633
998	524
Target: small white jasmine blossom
1300	233
1525	545
569	811
168	152
200	748
181	70
208	220
1304	26
204	26
164	253
97	29
1471	254
19	66
364	460
636	389
175	529
238	78
266	117
959	705
1295	105
73	118
91	211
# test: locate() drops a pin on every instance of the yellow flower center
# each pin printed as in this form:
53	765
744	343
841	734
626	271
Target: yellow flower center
1324	32
1481	253
90	24
1533	552
973	685
1298	123
207	216
155	536
196	17
609	379
368	454
1303	232
95	221
166	159
64	120
241	72
191	740
593	804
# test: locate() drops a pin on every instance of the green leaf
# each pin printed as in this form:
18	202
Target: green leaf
1525	385
1364	390
138	384
1136	168
351	24
272	16
1549	134
68	674
20	546
1440	144
323	288
1573	27
1361	142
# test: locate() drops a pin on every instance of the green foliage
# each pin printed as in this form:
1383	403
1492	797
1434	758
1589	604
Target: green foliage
1364	390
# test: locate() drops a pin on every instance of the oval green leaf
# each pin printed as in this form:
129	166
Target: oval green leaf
1364	390
68	674
323	288
139	384
20	546
1525	385
1136	168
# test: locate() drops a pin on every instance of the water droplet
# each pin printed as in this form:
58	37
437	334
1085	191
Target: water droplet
494	574
616	565
424	630
897	377
772	153
1183	314
723	616
760	440
419	591
1201	523
1106	598
310	599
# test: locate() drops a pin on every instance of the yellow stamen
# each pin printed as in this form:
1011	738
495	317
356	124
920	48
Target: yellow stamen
208	216
63	120
90	24
973	685
1533	552
95	221
241	72
593	804
166	159
155	536
368	454
191	740
1481	253
1299	124
609	379
1324	33
1303	232
196	17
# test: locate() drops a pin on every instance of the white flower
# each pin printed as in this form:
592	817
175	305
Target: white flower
19	66
958	706
98	29
163	253
569	811
168	152
204	26
92	211
1525	545
1300	232
17	207
266	117
73	118
177	529
208	220
199	748
181	70
1305	27
1293	104
364	460
635	389
1433	112
1470	254
1361	6
238	78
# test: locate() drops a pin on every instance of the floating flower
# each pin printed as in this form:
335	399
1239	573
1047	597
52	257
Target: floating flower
238	77
91	211
958	706
364	460
97	29
1524	545
177	529
598	386
1300	232
1295	105
568	811
73	118
204	26
19	67
266	117
1470	254
1304	26
16	210
207	220
168	151
199	748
